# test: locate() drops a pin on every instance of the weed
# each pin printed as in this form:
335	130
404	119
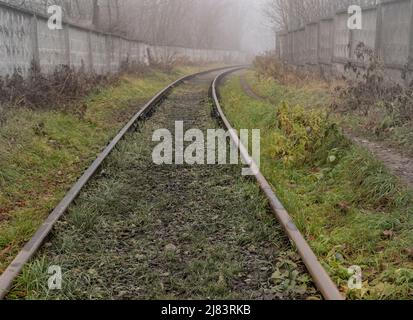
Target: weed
269	66
378	107
349	207
142	231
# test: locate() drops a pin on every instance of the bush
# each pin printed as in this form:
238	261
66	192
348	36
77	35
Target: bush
366	90
40	91
56	90
269	66
306	136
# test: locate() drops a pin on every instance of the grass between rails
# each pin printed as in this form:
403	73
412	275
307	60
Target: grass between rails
350	209
142	231
44	152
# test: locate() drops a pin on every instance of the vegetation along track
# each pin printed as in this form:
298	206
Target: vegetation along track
142	231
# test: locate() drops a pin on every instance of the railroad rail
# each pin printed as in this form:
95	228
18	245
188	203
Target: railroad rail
322	280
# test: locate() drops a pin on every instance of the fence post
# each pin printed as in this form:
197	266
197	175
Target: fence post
290	47
90	51
67	44
35	41
317	47
410	57
318	42
108	55
120	53
379	28
350	43
333	39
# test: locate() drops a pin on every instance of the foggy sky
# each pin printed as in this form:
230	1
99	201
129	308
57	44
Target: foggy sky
257	35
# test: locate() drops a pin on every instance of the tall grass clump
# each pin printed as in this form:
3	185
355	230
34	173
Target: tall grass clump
350	208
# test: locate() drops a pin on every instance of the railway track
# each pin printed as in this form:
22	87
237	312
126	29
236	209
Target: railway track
137	230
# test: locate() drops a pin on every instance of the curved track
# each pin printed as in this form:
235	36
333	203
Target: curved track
176	218
320	276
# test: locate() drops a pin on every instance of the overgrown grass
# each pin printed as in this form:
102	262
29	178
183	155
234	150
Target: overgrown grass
44	152
349	207
311	94
209	236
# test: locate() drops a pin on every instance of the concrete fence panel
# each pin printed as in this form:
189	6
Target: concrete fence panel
25	38
367	34
283	46
312	43
387	28
302	46
341	37
99	56
124	50
395	32
52	47
114	54
326	30
17	41
79	48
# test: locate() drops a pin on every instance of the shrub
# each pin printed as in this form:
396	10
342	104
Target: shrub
366	90
58	89
269	66
306	135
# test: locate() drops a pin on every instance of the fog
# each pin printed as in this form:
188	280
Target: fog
214	24
257	34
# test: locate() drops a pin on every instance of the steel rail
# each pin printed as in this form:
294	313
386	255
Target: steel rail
321	278
29	250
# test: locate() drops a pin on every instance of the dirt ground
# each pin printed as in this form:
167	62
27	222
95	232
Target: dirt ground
398	164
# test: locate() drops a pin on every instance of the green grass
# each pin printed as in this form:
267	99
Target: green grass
44	152
351	210
380	128
310	95
142	231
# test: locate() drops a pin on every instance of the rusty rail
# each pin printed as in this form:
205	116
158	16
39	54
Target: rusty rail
321	278
28	251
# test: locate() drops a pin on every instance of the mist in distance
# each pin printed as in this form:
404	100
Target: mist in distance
203	24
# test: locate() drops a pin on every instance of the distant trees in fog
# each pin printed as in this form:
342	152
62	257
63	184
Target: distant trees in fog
189	23
292	14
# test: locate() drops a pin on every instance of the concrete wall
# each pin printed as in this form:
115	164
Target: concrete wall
387	28
325	41
26	38
16	41
395	33
312	43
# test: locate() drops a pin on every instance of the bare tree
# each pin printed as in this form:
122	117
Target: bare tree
187	23
293	14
